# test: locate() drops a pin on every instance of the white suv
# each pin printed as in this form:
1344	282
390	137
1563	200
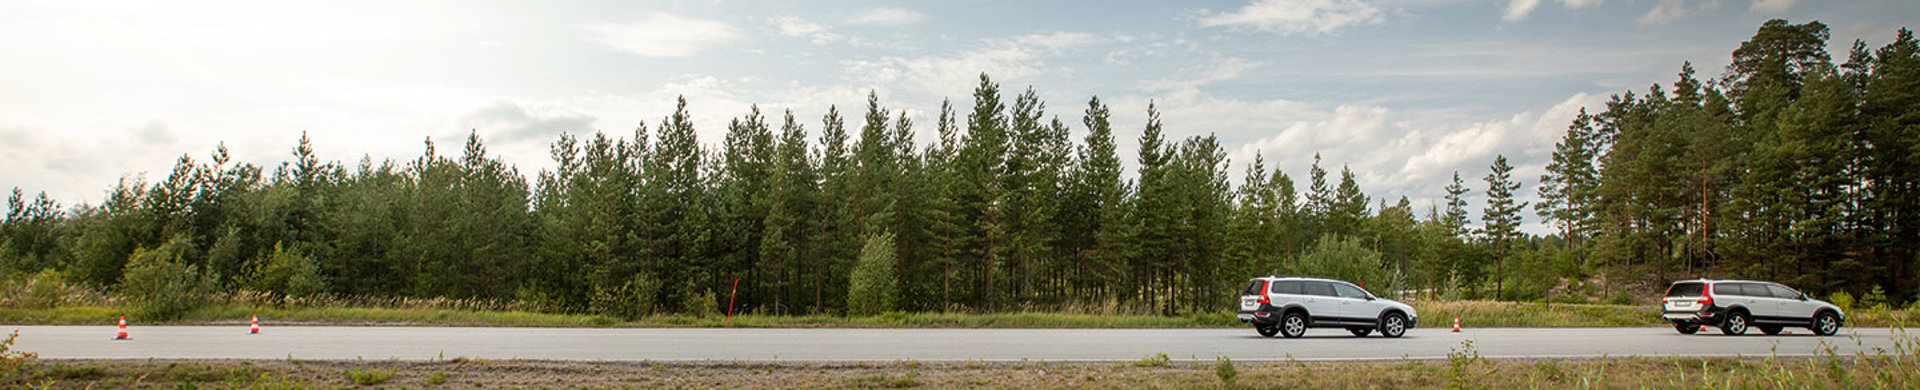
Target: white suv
1734	305
1288	305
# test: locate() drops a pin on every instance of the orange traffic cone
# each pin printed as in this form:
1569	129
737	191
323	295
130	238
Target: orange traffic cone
256	325
1456	324
123	330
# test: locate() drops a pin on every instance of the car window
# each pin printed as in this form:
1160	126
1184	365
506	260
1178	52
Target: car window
1346	291
1727	289
1755	290
1685	289
1290	287
1783	292
1253	287
1319	288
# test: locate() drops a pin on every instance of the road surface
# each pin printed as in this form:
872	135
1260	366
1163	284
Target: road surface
302	342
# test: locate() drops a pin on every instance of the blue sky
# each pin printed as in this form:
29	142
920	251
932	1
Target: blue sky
1403	92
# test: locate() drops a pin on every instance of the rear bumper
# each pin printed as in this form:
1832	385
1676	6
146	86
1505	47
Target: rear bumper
1265	315
1711	316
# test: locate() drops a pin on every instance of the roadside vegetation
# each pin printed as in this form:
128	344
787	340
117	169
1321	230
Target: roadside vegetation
1463	368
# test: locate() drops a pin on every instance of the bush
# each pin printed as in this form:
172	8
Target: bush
368	376
290	273
1345	259
161	285
1225	371
1876	299
44	290
1841	299
631	301
698	305
873	278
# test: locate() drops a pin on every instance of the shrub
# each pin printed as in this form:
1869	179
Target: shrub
1160	360
368	376
873	280
11	360
44	289
1345	259
289	272
1876	299
698	304
1225	371
1841	299
161	285
631	300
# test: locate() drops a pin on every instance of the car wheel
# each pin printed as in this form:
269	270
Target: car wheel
1736	324
1826	323
1394	325
1360	332
1293	325
1686	328
1267	330
1769	329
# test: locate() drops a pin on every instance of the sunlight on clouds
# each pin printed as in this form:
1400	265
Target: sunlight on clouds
1772	6
663	35
1518	9
1289	17
887	17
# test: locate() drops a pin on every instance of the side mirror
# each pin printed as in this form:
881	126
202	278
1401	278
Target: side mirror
1370	297
1803	296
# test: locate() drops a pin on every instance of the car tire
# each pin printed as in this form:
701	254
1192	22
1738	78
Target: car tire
1393	325
1687	328
1293	325
1267	330
1770	330
1735	325
1360	332
1826	323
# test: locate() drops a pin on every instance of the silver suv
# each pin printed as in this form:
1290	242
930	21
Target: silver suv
1288	305
1734	305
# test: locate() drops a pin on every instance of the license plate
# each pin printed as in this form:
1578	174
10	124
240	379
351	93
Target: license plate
1246	317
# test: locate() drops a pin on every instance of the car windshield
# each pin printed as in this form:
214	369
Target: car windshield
1685	289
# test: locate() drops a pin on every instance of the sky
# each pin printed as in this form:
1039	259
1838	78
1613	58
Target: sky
1403	92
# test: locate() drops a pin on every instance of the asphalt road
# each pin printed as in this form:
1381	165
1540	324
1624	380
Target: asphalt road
232	342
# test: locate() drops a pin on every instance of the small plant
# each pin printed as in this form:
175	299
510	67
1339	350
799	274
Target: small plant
881	380
1225	371
437	378
1460	363
1876	299
1841	299
368	376
1160	360
10	359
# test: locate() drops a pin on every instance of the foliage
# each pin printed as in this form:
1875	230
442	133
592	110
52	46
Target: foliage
161	285
1224	370
290	273
368	376
1788	166
1156	360
1345	259
874	281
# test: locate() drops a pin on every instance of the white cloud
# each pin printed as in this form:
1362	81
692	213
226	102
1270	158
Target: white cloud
1518	9
1669	10
794	26
1289	17
1772	6
887	17
663	35
940	75
513	122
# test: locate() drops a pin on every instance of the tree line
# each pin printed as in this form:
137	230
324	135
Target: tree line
1787	167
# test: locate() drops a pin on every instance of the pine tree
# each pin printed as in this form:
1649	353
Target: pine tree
1502	217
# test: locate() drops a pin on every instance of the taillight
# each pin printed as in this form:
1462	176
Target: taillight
1263	292
1706	295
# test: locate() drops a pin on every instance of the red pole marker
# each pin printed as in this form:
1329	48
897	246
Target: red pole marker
123	330
256	325
730	296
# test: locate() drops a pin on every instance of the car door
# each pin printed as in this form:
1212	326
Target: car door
1730	294
1791	303
1764	306
1353	302
1320	299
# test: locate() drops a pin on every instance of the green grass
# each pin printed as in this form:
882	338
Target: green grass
368	376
